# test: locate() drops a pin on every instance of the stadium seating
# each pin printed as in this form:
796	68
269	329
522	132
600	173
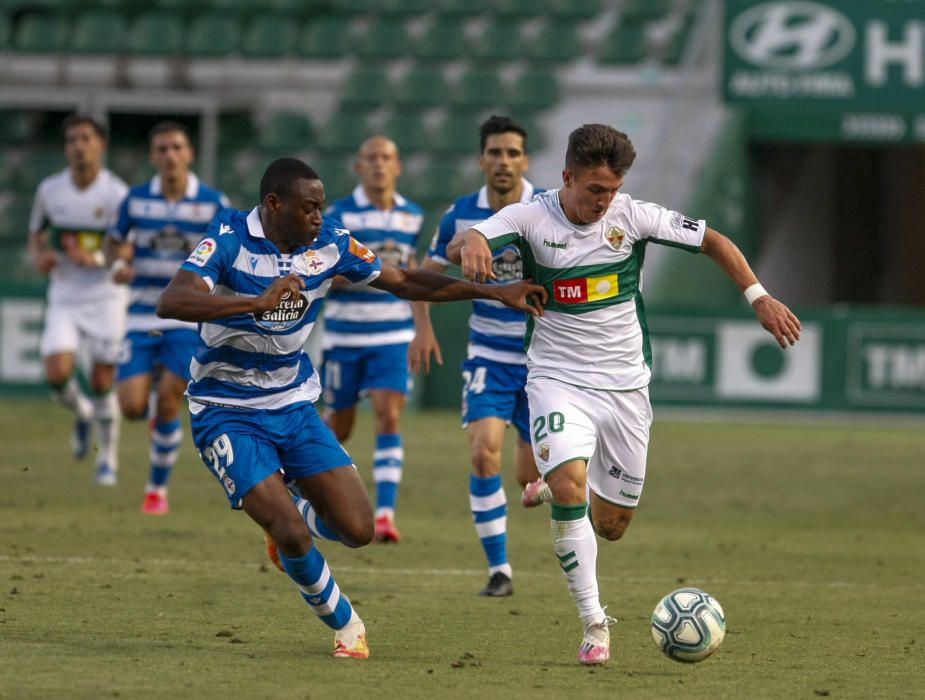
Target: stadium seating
421	88
408	131
343	133
456	134
463	8
156	34
442	41
270	36
324	39
212	34
98	33
647	9
534	90
385	39
497	43
40	33
556	42
477	89
286	133
571	10
625	45
365	88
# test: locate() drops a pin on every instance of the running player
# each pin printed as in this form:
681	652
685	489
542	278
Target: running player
589	356
495	370
86	309
255	286
159	225
367	331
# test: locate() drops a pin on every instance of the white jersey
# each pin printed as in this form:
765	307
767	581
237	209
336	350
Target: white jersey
75	217
593	332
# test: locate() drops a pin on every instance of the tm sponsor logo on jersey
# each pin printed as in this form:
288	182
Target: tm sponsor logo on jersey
585	289
802	36
286	314
203	252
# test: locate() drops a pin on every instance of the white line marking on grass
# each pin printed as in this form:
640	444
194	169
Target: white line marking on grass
199	564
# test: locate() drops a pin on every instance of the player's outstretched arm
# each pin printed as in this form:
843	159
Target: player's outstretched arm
774	316
424	285
188	298
470	250
425	340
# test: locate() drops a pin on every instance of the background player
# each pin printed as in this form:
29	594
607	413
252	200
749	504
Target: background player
255	285
367	330
159	225
495	371
589	354
86	309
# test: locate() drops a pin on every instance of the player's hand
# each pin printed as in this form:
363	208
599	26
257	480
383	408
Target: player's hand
282	288
123	274
45	260
420	349
777	320
476	260
524	296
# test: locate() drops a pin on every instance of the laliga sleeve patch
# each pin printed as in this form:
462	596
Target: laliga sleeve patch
361	251
204	251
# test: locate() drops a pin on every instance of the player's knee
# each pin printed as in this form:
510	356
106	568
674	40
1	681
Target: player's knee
290	535
611	529
358	532
486	461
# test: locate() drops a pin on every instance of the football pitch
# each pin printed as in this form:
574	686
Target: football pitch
812	536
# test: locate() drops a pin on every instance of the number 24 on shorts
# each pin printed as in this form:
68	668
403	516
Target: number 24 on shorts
555	421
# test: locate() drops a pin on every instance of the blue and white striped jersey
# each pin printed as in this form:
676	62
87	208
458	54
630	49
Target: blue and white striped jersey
363	316
163	234
257	360
496	332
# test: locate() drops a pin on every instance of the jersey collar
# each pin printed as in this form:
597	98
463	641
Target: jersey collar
362	200
525	196
254	227
192	185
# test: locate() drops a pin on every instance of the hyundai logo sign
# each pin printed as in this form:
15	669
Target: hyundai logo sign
797	36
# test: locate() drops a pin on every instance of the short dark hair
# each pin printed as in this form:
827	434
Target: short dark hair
500	125
81	119
592	145
281	175
169	127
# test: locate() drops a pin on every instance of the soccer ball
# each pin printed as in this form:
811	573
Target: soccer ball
688	625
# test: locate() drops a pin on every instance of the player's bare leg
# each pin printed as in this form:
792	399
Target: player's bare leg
488	502
269	505
388	459
339	498
576	548
134	394
525	463
341	422
59	372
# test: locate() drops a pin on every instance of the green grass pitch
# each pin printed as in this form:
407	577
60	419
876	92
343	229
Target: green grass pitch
811	536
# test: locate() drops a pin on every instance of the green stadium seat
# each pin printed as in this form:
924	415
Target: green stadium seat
235	131
441	182
556	42
39	33
325	39
408	131
513	9
422	87
337	175
269	36
155	34
387	39
625	45
462	8
534	90
286	132
459	133
15	128
98	33
647	9
343	133
443	41
404	7
213	35
354	7
5	30
571	10
499	42
35	166
366	87
478	88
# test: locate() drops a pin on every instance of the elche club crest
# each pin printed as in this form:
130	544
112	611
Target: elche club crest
615	236
286	315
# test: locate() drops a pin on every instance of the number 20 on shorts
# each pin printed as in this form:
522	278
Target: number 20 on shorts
555	422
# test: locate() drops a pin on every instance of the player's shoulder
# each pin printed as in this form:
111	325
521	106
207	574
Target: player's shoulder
229	227
332	231
54	181
410	207
140	189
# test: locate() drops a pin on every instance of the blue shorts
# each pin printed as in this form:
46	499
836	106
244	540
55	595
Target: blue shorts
173	348
496	390
348	373
242	447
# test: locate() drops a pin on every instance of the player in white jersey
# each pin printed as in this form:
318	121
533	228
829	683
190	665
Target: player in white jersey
495	372
588	356
367	331
255	285
86	308
160	223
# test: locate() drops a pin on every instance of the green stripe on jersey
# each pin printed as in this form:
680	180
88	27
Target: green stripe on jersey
84	238
501	241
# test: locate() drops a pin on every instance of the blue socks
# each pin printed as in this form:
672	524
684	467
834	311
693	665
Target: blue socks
165	447
318	588
388	460
489	510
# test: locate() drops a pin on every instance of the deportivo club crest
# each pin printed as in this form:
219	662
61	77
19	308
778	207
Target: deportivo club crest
615	236
544	451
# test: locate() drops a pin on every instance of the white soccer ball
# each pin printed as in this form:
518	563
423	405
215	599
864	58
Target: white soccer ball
688	625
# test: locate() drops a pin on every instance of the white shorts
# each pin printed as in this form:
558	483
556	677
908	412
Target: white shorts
99	327
607	429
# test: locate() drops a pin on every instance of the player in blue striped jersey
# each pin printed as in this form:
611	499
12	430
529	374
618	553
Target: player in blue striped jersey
495	371
160	223
367	331
255	286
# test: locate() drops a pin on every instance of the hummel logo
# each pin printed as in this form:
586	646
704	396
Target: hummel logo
553	244
224	228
